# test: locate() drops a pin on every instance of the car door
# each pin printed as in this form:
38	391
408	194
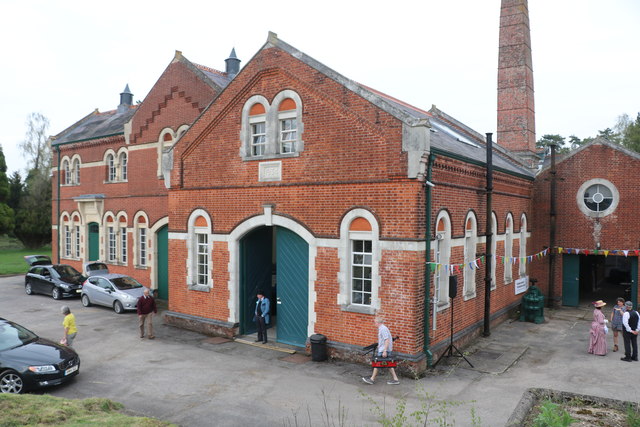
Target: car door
48	280
35	279
104	292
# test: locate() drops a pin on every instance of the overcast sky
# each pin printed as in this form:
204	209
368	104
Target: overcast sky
66	58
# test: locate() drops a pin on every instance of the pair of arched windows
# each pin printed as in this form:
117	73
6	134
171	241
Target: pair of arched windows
71	171
116	167
272	130
70	236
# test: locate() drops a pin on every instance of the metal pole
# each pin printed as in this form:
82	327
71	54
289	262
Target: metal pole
427	267
488	238
552	224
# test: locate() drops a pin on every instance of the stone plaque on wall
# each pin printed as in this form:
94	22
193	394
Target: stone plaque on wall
270	171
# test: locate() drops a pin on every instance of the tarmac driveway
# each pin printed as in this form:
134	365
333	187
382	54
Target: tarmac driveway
194	380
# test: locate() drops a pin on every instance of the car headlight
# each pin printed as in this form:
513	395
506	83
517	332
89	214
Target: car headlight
42	369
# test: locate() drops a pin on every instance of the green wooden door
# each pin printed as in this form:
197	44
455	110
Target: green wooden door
256	259
292	260
94	241
162	238
570	280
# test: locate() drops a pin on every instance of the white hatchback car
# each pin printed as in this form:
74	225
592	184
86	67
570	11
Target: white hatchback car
112	290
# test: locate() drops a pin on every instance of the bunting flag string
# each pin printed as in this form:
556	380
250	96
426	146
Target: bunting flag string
477	263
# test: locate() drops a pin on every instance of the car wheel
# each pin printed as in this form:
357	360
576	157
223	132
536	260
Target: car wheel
10	382
118	308
85	300
28	289
56	294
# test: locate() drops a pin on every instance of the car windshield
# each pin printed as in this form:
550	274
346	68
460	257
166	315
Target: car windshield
12	335
66	271
126	283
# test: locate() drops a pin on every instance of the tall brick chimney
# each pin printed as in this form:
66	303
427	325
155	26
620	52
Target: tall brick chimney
516	112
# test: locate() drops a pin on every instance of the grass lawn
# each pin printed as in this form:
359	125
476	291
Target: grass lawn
35	410
12	255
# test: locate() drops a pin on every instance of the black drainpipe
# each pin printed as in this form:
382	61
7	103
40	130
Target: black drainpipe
427	267
58	209
488	236
552	225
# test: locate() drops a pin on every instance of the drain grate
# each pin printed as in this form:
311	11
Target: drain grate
484	354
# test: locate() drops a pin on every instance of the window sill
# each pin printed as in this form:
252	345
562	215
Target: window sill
271	156
469	296
200	288
362	309
443	306
141	267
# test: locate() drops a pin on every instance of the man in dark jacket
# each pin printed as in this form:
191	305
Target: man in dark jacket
146	307
261	316
631	328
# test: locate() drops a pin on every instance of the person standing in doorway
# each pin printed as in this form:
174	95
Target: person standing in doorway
261	316
69	325
597	334
616	321
384	349
146	308
630	333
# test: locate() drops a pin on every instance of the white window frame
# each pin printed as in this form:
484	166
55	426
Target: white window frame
112	243
111	167
123	244
597	181
66	170
494	248
288	145
442	256
522	268
345	253
75	167
67	241
364	237
142	245
470	248
194	251
254	122
508	249
202	258
122	164
77	240
272	124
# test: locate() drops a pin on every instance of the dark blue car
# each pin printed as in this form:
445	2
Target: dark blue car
28	362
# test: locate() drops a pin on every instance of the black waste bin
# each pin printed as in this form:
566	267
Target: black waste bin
318	347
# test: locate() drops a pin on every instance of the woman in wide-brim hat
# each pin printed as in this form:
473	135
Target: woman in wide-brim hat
597	334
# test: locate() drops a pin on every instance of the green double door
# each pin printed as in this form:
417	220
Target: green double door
275	260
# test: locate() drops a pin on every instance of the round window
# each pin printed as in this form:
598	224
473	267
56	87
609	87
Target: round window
598	198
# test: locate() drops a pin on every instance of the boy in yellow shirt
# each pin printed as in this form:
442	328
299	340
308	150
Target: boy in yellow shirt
69	324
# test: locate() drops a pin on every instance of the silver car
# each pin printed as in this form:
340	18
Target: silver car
112	290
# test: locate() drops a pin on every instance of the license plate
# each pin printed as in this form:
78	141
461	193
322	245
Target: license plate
71	370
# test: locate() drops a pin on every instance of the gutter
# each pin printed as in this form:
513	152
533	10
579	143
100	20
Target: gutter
58	209
427	256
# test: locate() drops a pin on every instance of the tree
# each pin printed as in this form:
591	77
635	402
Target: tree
36	148
631	135
555	139
16	190
7	215
33	220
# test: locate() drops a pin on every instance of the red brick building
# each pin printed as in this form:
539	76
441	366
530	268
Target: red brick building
110	189
337	201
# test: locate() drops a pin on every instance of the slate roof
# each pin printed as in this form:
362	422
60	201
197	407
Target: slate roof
447	134
95	125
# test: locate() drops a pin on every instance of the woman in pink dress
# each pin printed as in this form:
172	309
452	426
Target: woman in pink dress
597	336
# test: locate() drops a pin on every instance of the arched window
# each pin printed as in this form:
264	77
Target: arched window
76	171
272	130
359	261
508	250
66	235
76	236
522	271
111	168
494	248
199	243
141	228
66	172
258	124
442	257
123	165
470	244
111	239
122	232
